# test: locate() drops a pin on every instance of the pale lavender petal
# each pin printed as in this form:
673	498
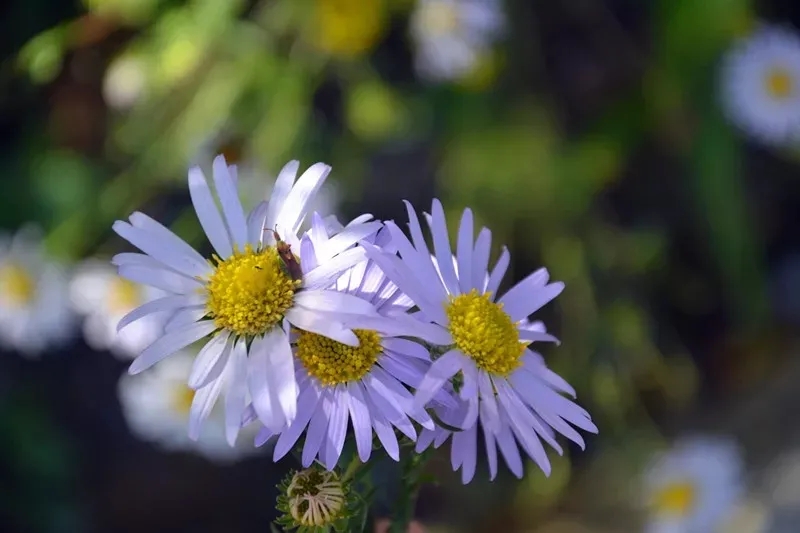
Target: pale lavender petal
491	445
464	251
161	250
207	213
202	403
256	224
262	437
347	238
383	430
321	324
498	272
135	259
333	302
211	361
236	393
167	303
529	295
318	229
509	450
166	280
441	243
440	373
306	406
360	417
337	427
169	344
490	416
420	265
230	202
293	211
387	408
532	445
424	440
327	273
398	325
185	317
407	348
308	256
271	379
467	440
521	414
280	191
317	429
536	336
142	221
480	261
403	398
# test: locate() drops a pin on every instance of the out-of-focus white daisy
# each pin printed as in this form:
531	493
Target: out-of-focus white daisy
247	297
694	487
103	297
365	385
453	36
157	403
761	85
34	297
125	81
484	340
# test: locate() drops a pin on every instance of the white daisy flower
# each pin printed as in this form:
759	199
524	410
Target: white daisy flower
501	383
452	36
761	85
156	405
104	298
247	297
34	299
693	487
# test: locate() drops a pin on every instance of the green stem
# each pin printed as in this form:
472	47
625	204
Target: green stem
413	466
352	468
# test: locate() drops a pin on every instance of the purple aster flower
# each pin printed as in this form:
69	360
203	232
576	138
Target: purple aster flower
500	382
365	384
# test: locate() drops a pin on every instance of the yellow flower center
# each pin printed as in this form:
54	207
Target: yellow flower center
182	399
676	499
123	295
779	83
482	330
249	292
17	285
439	18
332	362
316	498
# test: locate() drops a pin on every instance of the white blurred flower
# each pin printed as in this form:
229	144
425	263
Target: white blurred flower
34	301
452	36
124	82
157	404
761	85
694	487
103	298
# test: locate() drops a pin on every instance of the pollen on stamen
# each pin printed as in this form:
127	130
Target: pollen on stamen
249	292
332	362
482	330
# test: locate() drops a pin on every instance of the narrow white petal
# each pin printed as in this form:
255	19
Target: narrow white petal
293	211
523	300
322	324
337	428
211	361
498	272
202	403
280	191
236	393
167	303
480	261
464	251
440	372
169	344
207	213
362	423
163	279
347	238
306	407
326	274
317	429
185	317
441	243
142	221
256	224
333	302
231	204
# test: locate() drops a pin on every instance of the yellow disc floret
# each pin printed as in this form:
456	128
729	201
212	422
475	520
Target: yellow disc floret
482	330
675	499
332	362
249	292
17	285
778	83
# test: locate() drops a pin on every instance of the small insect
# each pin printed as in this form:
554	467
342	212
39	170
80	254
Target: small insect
289	260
